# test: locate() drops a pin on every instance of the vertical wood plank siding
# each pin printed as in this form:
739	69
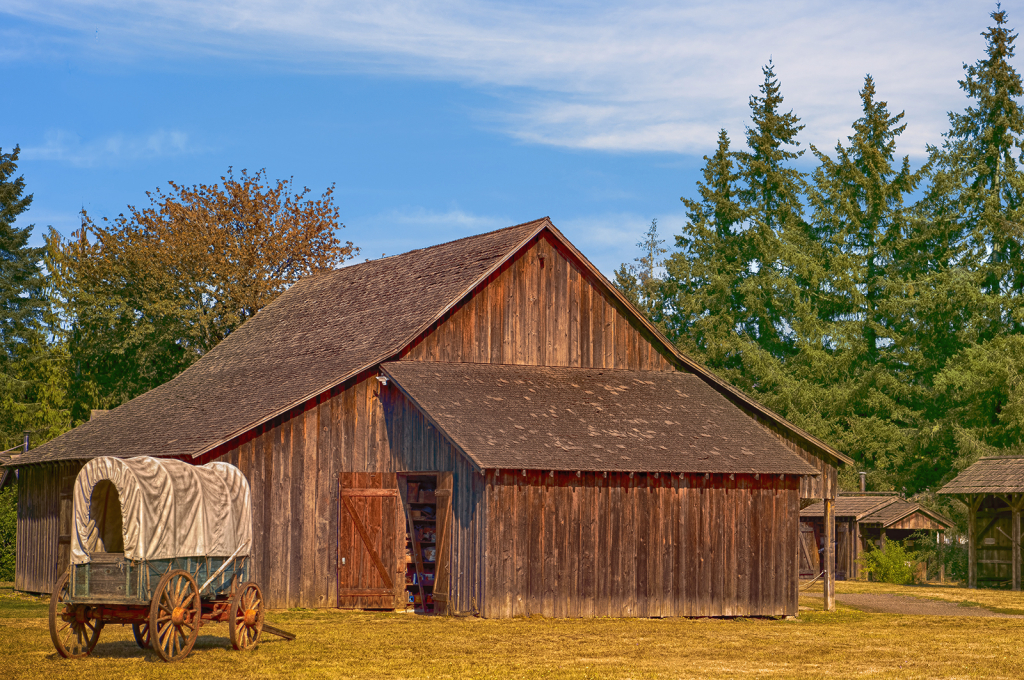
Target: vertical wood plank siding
44	515
672	546
540	308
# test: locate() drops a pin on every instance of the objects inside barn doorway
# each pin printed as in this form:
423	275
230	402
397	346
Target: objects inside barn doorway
426	498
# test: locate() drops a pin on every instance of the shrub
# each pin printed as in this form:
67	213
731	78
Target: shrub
893	564
951	554
8	529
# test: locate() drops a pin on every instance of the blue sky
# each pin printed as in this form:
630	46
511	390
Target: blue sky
441	119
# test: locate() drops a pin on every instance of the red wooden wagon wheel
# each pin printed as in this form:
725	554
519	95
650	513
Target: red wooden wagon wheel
141	632
174	615
245	616
73	633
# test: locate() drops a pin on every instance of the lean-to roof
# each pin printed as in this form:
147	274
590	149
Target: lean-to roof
588	419
992	474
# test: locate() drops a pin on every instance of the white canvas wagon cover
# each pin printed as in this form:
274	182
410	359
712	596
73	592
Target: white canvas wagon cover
167	508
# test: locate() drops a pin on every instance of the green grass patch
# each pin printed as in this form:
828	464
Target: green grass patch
334	644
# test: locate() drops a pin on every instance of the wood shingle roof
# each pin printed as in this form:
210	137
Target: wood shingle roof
852	507
315	335
882	509
589	419
321	332
992	474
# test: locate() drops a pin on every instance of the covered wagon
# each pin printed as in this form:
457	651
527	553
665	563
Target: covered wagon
161	545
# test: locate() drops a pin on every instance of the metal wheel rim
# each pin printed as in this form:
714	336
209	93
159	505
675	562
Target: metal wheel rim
141	632
243	635
173	641
73	639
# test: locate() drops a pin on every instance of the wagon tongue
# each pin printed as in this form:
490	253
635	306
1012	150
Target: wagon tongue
278	632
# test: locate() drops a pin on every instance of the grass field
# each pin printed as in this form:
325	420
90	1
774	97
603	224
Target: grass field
372	645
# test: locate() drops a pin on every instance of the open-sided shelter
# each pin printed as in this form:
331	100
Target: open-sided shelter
993	489
862	520
484	426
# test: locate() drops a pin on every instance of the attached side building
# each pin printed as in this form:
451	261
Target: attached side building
582	465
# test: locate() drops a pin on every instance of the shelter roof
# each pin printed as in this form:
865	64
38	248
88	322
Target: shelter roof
888	515
548	418
992	474
322	331
852	506
884	509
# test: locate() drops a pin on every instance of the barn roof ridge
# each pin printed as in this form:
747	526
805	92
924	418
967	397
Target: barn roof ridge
230	373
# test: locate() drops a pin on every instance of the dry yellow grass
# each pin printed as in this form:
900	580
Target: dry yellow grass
335	644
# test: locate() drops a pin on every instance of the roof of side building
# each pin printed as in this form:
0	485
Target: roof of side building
590	419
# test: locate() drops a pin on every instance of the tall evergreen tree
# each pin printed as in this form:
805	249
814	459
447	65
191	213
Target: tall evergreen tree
20	279
770	197
705	273
975	206
31	373
859	227
640	282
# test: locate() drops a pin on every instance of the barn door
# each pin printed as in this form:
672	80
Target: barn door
809	563
444	541
371	537
842	550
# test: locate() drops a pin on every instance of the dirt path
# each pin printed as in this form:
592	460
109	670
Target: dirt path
883	603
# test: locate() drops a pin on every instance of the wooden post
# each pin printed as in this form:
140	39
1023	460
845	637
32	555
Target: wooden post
972	542
830	554
855	538
1015	540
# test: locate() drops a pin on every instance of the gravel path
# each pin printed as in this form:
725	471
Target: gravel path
900	604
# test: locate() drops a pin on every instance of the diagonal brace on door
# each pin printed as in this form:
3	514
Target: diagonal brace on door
368	543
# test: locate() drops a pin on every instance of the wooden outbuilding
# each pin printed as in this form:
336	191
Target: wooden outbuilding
993	490
485	426
862	519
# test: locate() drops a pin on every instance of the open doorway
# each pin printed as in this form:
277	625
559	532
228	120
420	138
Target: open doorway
426	499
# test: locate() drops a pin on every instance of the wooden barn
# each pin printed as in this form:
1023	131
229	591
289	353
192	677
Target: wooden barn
993	490
862	520
485	426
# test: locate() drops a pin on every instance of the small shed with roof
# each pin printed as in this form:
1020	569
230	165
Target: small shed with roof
863	519
484	426
993	490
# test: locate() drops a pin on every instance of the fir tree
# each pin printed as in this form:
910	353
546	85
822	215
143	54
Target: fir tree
770	197
32	376
975	208
859	224
20	280
640	282
705	273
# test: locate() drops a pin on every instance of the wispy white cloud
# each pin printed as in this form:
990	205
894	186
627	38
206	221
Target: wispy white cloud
400	230
61	145
633	76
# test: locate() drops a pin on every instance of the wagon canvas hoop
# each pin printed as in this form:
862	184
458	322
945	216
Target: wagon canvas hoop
167	508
